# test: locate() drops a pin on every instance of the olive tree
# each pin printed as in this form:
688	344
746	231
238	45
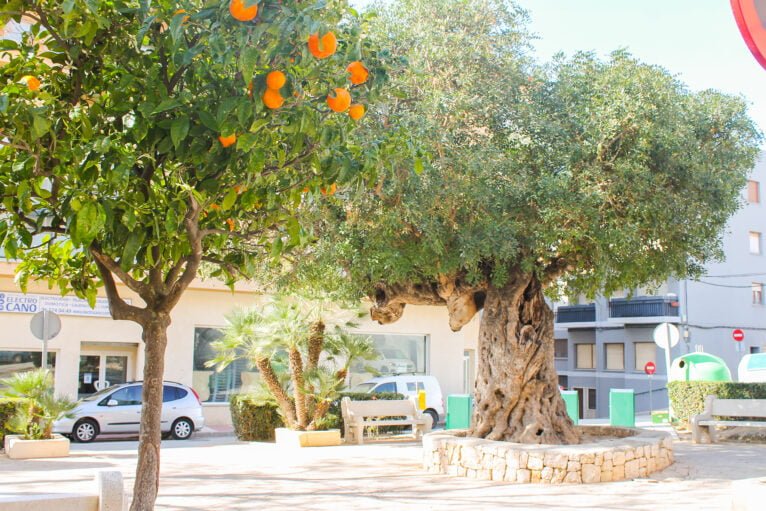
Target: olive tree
140	139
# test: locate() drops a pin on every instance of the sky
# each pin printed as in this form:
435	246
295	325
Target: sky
696	40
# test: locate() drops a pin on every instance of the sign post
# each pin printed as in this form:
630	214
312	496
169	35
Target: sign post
666	336
649	369
45	325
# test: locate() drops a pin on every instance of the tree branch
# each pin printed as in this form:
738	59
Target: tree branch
119	308
139	287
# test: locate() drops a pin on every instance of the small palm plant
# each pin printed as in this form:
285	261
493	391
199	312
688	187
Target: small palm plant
306	340
38	407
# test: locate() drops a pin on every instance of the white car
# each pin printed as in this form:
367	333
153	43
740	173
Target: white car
117	409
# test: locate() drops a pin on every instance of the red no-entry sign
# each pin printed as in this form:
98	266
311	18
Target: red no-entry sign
649	368
738	335
751	20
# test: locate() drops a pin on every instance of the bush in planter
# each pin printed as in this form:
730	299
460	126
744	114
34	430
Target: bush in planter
688	397
7	410
37	405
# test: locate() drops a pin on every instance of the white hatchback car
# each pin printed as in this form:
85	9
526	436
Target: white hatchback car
117	409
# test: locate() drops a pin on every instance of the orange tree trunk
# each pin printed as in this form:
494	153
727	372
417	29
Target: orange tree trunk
517	393
148	467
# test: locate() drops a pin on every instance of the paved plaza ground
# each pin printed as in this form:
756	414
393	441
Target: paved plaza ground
221	473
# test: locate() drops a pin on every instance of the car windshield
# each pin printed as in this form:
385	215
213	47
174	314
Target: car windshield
363	388
100	393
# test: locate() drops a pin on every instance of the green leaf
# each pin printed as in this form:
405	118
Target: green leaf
418	166
40	126
229	200
165	105
132	246
90	221
178	130
209	121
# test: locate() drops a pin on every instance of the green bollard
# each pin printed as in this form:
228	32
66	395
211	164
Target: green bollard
572	404
458	411
622	408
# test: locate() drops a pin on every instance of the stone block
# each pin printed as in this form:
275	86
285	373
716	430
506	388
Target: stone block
536	476
608	456
629	455
599	459
546	474
573	466
558	475
607	466
618	472
484	474
498	474
111	492
535	463
471	473
618	458
631	469
498	463
590	473
651	465
510	476
470	458
655	450
523	459
606	476
556	460
587	458
523	475
642	462
573	477
462	471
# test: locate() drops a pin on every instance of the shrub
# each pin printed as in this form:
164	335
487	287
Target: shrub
688	397
256	419
38	407
253	419
7	410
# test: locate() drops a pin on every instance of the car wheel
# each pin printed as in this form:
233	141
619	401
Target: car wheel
182	429
434	416
85	431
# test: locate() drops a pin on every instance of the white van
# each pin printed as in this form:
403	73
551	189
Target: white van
409	385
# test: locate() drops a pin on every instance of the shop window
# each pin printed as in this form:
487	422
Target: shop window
586	356
398	354
20	361
560	348
755	242
644	352
753	192
615	356
217	386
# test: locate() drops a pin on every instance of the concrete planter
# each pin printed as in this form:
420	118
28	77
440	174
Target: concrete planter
18	448
289	438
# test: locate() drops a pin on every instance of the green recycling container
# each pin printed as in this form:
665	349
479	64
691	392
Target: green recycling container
458	411
622	408
572	403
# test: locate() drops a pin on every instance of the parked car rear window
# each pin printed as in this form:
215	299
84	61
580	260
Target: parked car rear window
170	393
386	387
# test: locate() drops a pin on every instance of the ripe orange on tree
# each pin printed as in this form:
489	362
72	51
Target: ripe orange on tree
272	99
324	47
330	190
340	102
359	73
276	80
227	140
356	111
32	82
240	12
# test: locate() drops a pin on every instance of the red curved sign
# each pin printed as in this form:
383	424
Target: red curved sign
650	368
751	20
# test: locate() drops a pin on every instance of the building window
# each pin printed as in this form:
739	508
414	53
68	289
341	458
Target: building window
217	386
757	293
644	352
755	349
20	361
615	356
586	356
397	354
755	242
560	348
591	399
753	192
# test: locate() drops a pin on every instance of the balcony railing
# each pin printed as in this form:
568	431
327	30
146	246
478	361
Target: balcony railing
576	313
643	307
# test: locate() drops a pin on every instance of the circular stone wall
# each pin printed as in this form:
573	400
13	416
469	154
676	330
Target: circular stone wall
611	454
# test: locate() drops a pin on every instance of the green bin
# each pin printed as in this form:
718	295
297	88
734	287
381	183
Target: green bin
660	417
572	403
622	408
459	411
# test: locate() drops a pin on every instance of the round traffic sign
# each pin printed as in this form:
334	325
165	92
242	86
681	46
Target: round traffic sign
38	325
751	20
650	368
738	335
666	335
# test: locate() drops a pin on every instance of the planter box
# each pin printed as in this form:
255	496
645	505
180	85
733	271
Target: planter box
289	438
18	448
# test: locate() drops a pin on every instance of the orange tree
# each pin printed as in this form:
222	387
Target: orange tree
139	140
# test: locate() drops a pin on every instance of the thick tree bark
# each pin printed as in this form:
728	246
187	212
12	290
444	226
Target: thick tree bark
316	343
148	468
517	393
299	385
269	377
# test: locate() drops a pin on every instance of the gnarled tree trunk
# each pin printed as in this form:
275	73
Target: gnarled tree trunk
517	394
148	467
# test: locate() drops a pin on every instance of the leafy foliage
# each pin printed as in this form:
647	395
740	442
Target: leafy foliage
37	407
688	397
7	411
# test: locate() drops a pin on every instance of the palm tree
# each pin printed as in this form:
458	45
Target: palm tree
38	406
301	331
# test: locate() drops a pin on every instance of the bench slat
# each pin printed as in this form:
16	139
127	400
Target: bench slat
393	422
739	407
752	424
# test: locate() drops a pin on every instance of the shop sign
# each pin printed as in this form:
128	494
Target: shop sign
64	305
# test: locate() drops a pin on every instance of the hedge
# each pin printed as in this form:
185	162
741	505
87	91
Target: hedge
688	397
7	409
255	421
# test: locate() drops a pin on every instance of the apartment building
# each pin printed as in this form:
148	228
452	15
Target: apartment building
605	343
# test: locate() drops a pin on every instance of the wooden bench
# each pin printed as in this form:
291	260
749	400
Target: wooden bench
382	412
703	425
